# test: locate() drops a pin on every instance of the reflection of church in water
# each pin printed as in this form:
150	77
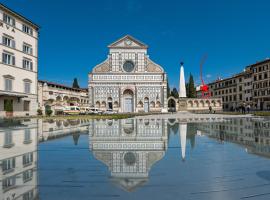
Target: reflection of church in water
129	148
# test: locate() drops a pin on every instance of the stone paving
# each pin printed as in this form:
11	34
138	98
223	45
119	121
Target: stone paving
192	116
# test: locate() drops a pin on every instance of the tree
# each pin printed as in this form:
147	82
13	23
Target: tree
191	88
187	90
75	83
174	93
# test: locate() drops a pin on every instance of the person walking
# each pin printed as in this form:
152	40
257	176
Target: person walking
210	109
248	108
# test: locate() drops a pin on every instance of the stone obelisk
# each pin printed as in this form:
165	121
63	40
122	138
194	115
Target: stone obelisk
182	84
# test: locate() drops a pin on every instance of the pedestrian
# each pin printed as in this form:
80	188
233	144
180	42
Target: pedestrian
248	108
210	109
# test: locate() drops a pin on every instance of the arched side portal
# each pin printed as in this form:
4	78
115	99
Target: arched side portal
128	100
172	104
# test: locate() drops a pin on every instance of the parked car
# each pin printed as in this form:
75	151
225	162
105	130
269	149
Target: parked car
71	110
95	111
84	110
110	111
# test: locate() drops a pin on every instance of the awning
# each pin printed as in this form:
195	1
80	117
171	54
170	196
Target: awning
7	94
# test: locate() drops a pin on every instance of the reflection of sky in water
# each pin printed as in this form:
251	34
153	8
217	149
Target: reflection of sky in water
132	159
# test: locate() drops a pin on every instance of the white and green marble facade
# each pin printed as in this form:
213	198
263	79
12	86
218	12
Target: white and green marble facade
128	81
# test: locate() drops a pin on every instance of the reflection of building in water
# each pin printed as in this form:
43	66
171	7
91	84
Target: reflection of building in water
52	129
129	148
18	161
253	134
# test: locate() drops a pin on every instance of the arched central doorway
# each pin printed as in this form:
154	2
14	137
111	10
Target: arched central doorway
128	100
146	104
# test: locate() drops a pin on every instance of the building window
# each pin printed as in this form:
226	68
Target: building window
8	19
27	29
8	164
8	84
27	64
8	139
27	175
27	87
8	59
240	88
26	106
27	136
27	49
8	41
9	182
28	195
27	159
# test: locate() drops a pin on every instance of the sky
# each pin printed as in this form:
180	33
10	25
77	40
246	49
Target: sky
74	35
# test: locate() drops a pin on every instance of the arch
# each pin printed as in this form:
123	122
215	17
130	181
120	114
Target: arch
152	104
190	103
116	104
66	98
171	104
50	101
158	104
110	104
128	100
207	102
201	103
97	105
58	98
213	103
146	104
218	103
140	104
103	104
196	104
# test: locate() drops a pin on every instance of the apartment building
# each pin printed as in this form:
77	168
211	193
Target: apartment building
239	90
231	90
56	96
261	84
18	64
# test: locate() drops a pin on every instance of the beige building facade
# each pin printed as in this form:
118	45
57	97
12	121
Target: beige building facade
250	87
19	64
234	92
261	84
55	96
128	80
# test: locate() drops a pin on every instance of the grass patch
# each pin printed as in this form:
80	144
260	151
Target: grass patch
262	113
93	116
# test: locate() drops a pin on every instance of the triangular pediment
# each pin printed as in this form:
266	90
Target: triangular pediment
128	42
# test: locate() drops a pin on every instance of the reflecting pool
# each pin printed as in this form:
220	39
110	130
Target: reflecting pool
135	159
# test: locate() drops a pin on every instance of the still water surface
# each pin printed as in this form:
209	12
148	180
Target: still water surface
135	159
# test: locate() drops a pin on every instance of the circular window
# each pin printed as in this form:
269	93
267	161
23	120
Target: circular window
128	66
130	158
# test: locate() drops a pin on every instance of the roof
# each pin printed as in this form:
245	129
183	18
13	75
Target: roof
142	45
63	86
259	62
19	15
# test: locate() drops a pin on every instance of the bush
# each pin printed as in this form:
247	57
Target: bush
49	112
8	105
39	112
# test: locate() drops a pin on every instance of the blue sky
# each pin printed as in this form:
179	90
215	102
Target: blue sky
74	34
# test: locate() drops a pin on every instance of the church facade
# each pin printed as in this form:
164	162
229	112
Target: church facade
128	80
